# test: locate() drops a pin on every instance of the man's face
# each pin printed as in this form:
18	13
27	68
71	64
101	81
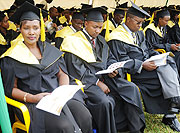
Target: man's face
134	23
77	24
4	23
54	13
164	21
118	18
93	28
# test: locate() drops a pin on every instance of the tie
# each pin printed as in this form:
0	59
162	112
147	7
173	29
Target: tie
134	38
93	42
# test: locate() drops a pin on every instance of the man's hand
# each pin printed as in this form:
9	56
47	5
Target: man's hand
113	74
174	47
149	66
103	87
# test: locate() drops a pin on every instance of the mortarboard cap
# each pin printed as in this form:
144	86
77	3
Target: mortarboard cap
60	10
94	14
85	6
26	12
124	5
136	11
40	5
162	13
18	3
78	15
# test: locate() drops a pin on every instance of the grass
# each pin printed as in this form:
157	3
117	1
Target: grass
154	124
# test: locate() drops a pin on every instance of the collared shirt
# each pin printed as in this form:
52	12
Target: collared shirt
128	30
116	25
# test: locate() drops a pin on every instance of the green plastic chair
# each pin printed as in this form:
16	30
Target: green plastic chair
4	115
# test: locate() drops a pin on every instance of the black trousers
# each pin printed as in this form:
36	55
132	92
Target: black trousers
44	122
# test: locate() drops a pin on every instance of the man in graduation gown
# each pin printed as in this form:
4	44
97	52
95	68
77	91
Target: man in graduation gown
5	35
77	24
156	35
159	91
109	100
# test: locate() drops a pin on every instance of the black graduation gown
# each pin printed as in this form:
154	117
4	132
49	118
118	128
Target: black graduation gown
34	79
126	94
159	42
11	35
147	81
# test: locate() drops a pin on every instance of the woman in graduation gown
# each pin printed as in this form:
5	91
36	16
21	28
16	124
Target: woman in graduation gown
33	69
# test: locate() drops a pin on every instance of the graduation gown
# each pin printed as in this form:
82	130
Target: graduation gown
159	41
110	25
5	40
122	46
66	31
83	62
33	77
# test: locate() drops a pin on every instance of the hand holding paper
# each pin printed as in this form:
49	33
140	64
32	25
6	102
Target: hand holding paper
54	102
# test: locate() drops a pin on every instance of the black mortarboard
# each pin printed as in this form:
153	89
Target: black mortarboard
18	3
104	7
78	15
124	5
26	12
2	15
162	13
60	10
85	6
40	5
94	14
120	10
136	11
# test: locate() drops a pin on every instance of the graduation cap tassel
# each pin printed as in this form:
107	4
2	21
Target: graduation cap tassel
151	19
134	1
42	27
179	20
107	29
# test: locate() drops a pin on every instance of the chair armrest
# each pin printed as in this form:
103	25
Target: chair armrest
128	76
23	108
78	82
161	50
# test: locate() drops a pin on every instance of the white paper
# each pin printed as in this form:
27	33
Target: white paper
159	60
54	102
112	67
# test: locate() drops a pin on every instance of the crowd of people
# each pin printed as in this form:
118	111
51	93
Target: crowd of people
42	48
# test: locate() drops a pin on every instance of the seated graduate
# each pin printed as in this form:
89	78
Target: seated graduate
5	35
33	69
159	85
77	25
156	35
113	101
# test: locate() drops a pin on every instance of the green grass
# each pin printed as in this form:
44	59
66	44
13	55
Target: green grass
154	124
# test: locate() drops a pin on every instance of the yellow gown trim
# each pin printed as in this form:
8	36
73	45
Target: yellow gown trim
171	24
111	26
66	31
12	26
2	40
21	53
155	29
78	45
18	38
122	35
62	19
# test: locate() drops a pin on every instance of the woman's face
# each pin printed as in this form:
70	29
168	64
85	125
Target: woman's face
30	31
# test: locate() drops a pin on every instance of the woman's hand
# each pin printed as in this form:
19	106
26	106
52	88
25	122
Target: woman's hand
36	98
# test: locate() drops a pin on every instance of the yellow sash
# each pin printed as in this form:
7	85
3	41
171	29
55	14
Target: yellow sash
155	29
62	19
121	34
111	26
21	53
2	40
78	45
19	38
66	31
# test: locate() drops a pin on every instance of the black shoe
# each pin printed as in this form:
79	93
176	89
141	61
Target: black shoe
174	107
172	122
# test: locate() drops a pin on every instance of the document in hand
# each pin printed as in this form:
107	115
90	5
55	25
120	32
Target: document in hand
160	59
112	67
54	102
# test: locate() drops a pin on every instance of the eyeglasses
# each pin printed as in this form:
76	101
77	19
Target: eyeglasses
138	22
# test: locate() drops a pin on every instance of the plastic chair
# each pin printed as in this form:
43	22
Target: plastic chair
18	124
